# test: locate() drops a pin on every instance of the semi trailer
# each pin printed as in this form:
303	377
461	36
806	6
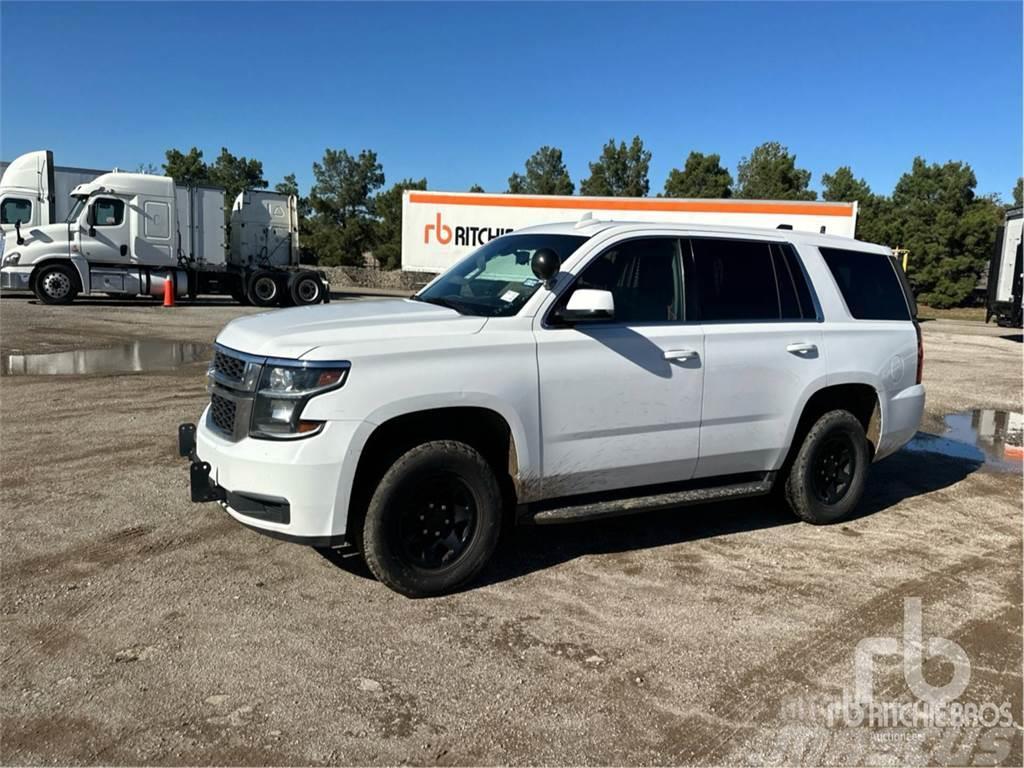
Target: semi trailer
440	228
127	234
1006	273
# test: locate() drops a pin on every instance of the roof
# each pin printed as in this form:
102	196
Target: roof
591	227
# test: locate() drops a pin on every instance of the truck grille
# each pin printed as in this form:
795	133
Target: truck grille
233	380
222	413
229	367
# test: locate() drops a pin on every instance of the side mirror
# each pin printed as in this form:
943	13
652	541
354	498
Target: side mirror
92	231
17	229
545	264
589	304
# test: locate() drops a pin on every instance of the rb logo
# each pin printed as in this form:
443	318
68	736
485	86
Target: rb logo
444	232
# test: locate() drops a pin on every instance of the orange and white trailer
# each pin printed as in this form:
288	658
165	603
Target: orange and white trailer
439	228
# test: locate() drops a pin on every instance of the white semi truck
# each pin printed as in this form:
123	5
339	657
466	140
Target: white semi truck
1006	273
127	234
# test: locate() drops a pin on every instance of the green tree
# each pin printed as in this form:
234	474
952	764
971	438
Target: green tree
476	188
235	174
546	174
701	176
770	173
621	171
1018	192
342	225
388	237
186	168
873	211
948	231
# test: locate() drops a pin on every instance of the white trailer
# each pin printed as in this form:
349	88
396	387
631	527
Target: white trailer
439	228
127	234
1006	272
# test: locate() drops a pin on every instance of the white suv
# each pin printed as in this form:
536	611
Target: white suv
559	373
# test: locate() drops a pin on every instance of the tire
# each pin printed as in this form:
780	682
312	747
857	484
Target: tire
263	289
827	478
305	288
451	490
56	284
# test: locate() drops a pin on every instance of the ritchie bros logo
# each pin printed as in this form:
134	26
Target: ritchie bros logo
444	234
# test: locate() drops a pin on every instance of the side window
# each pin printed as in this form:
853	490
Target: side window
107	212
15	209
643	277
795	300
869	283
734	280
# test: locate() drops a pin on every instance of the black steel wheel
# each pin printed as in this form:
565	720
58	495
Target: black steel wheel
433	520
835	462
829	472
436	521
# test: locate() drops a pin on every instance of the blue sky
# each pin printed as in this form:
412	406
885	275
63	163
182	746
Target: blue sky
463	93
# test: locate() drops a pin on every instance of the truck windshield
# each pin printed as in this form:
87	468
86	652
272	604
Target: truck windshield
75	210
496	280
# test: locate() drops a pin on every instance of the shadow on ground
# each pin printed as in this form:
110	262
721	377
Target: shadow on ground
532	548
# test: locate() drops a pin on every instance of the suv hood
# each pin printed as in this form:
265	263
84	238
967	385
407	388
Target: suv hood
292	333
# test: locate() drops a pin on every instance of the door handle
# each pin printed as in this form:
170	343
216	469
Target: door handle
802	348
680	354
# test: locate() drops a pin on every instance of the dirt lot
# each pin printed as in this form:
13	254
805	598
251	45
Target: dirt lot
139	628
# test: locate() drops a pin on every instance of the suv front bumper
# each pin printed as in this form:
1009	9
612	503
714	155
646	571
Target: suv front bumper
296	490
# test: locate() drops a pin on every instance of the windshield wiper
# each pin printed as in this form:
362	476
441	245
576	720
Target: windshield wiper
445	301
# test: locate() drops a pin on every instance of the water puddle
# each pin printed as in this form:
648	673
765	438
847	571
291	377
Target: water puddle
986	436
134	357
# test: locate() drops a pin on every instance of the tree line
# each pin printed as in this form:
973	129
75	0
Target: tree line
934	211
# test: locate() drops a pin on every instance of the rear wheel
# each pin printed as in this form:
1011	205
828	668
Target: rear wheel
263	290
305	288
828	475
56	284
433	520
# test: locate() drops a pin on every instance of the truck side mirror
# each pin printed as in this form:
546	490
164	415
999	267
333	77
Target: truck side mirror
92	231
545	264
17	229
588	304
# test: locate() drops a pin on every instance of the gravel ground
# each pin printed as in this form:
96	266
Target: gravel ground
139	628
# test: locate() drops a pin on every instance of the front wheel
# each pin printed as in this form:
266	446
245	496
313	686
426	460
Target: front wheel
56	284
434	519
830	470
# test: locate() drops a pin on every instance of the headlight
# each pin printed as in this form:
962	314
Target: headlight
283	391
11	259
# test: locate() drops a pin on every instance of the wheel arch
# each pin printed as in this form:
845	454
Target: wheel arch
858	397
46	261
483	428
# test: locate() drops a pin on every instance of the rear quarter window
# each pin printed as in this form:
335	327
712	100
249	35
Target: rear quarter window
870	284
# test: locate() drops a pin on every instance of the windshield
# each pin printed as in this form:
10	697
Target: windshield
496	280
75	210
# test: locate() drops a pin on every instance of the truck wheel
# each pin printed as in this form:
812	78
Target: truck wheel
434	519
305	288
56	284
830	470
264	290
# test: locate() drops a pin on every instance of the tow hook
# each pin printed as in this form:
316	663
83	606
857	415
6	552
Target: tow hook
202	488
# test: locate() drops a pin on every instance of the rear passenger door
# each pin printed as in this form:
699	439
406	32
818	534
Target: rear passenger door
762	344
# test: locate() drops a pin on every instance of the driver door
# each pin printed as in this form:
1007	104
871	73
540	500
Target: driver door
620	399
105	236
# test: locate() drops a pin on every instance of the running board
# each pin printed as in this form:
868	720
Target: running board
626	506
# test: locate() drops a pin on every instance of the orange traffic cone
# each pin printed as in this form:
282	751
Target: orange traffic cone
169	292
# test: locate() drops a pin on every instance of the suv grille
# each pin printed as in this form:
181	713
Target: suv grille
228	367
222	413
